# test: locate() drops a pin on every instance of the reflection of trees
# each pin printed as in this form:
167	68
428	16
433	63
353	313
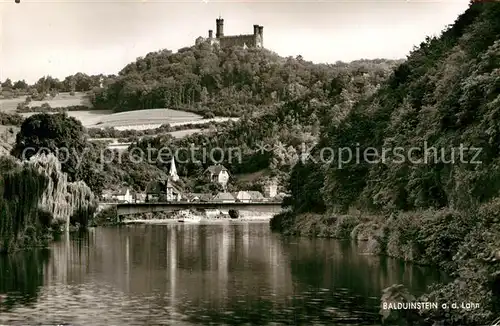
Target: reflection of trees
201	269
343	265
21	276
341	277
228	273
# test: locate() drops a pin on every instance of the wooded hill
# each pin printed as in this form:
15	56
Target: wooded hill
225	82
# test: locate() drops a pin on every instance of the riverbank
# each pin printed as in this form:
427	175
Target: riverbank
108	217
464	244
197	221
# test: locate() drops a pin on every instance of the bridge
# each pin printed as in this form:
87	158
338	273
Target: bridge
137	208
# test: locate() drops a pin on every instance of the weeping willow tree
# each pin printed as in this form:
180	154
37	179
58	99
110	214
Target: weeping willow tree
22	221
36	198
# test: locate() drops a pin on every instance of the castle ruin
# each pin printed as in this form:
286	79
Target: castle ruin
255	40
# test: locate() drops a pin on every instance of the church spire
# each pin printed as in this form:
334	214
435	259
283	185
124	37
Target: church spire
173	171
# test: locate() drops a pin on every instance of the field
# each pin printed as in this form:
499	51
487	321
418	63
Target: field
88	117
61	100
64	99
10	105
145	119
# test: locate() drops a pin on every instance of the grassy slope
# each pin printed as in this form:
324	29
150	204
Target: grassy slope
61	100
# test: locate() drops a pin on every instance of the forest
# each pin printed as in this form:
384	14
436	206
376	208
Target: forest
441	212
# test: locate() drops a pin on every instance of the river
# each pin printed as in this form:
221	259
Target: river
185	274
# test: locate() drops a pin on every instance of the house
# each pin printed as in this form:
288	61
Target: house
172	190
280	196
242	196
107	195
163	190
224	197
270	189
140	198
218	174
123	195
255	195
153	190
198	197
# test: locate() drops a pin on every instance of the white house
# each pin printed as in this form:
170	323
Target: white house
218	173
270	189
140	197
255	195
242	196
123	195
224	197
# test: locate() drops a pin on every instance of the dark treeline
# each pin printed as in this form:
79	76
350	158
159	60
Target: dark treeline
440	212
78	82
10	119
110	132
47	108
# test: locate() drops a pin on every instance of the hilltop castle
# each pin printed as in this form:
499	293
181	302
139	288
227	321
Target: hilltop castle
255	40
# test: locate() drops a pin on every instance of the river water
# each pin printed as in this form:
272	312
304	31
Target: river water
185	274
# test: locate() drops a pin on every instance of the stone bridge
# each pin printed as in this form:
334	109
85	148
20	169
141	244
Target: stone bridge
258	207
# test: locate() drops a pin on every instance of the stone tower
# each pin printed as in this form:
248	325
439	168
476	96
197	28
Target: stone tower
219	32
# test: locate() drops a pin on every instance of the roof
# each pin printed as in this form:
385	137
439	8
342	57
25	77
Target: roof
201	196
193	195
120	192
216	169
160	186
223	196
242	195
206	197
255	195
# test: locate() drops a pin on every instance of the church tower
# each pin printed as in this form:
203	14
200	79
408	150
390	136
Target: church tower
173	171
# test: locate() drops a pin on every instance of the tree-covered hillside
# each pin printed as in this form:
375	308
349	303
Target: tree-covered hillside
444	95
286	128
442	209
224	82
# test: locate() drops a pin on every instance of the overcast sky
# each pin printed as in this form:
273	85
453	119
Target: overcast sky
59	38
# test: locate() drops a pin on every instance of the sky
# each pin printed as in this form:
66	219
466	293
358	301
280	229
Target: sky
62	37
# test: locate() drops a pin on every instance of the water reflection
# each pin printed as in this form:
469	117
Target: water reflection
226	274
21	276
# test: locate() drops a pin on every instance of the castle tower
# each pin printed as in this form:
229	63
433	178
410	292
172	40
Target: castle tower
261	33
255	29
220	27
210	34
173	171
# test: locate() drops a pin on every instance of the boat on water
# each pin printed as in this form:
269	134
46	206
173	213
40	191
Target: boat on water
189	219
